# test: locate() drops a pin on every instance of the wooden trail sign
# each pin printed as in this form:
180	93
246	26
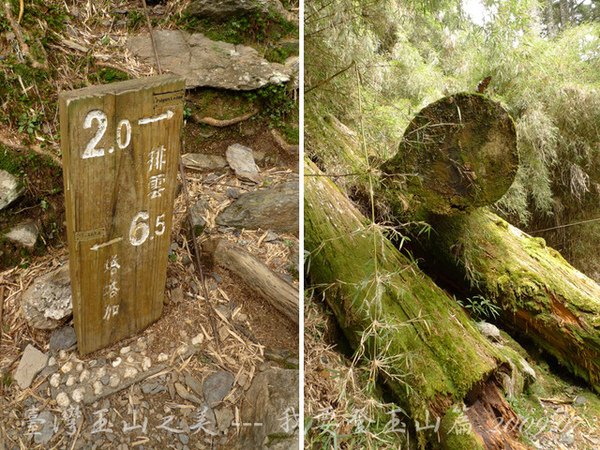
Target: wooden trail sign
120	145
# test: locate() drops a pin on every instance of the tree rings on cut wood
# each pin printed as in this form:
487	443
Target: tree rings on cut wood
457	154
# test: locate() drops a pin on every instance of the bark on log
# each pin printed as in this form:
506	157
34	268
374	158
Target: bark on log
542	297
258	277
460	153
426	349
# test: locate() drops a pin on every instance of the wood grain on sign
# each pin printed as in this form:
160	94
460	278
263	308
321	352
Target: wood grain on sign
120	145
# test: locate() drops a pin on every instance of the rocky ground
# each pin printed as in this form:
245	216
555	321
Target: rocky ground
182	383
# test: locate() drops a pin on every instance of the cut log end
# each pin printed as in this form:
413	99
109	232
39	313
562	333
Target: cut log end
459	153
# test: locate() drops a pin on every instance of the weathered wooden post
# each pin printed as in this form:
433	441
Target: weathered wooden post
120	145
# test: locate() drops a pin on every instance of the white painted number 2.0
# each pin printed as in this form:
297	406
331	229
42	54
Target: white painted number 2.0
123	139
139	231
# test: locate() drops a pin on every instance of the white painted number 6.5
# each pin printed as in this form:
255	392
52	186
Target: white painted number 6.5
140	230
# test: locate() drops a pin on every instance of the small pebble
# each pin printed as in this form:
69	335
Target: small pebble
79	367
67	367
62	354
77	395
62	400
101	372
84	376
125	350
130	359
114	381
70	381
98	387
93	363
117	362
146	363
52	361
162	357
197	340
130	372
55	380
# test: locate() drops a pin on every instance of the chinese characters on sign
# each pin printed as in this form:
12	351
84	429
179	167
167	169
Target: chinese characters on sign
120	145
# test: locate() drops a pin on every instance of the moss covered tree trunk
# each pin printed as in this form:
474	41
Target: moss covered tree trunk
412	335
541	296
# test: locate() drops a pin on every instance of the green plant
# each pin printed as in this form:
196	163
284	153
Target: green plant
480	307
187	112
135	19
29	123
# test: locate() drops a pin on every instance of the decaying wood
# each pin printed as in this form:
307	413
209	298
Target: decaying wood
428	352
220	123
463	151
258	277
541	296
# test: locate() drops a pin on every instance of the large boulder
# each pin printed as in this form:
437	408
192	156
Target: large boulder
10	189
274	208
207	63
48	302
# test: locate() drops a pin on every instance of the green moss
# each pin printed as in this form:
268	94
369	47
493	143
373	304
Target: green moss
250	29
457	433
108	75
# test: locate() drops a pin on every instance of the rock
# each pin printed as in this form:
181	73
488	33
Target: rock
184	438
32	362
184	394
130	372
117	362
197	340
66	367
62	339
55	380
241	160
70	381
201	161
580	400
207	63
45	433
292	67
197	212
221	10
195	385
271	237
217	386
232	193
24	234
78	395
114	381
47	302
153	388
162	357
10	189
274	208
489	331
62	400
224	417
125	350
146	363
273	401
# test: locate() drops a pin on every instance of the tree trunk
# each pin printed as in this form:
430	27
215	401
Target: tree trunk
542	297
257	276
413	336
457	154
540	294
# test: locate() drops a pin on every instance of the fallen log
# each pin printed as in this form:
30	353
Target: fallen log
257	276
410	332
540	295
460	152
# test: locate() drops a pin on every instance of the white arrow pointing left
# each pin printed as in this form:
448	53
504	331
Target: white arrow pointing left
167	115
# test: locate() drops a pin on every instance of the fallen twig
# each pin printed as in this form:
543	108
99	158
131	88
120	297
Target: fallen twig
222	122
